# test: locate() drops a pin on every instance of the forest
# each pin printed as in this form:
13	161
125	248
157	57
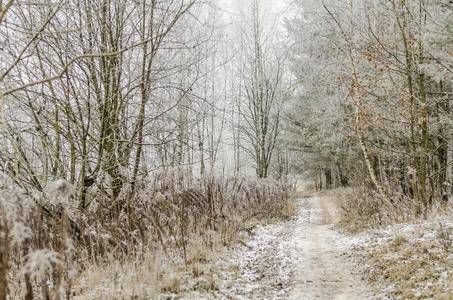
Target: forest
139	135
382	83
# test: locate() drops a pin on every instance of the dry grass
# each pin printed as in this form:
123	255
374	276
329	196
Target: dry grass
409	257
410	266
363	209
168	225
159	276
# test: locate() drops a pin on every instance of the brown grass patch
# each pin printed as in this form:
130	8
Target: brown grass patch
409	267
143	244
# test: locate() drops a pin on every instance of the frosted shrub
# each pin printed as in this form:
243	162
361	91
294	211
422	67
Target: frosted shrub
362	208
17	207
19	234
39	263
34	237
58	195
171	206
178	204
17	210
169	210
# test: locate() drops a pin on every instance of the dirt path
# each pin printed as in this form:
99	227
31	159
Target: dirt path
319	267
302	259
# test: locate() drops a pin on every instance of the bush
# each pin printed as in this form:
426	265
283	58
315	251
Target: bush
363	208
46	240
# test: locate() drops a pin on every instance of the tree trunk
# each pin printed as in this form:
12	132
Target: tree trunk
328	175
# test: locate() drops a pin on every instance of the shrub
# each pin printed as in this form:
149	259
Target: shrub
363	208
46	240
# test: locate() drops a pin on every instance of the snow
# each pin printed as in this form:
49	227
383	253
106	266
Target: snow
299	259
303	258
421	246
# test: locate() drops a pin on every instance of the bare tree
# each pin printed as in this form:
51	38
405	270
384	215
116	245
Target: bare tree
88	109
265	96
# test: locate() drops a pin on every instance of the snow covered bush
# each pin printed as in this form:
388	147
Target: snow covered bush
45	238
35	242
170	206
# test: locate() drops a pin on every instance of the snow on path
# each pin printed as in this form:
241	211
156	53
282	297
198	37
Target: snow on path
301	259
320	269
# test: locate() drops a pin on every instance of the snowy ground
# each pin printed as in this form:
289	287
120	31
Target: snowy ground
307	258
301	259
408	261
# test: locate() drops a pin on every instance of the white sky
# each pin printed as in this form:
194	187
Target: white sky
236	12
233	7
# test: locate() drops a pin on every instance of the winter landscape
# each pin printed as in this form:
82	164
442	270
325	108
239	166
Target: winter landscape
226	149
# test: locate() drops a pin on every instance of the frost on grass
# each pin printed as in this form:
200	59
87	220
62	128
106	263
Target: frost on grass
408	261
39	263
401	254
56	248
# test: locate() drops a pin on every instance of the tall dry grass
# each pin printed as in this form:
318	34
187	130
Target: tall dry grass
47	241
362	208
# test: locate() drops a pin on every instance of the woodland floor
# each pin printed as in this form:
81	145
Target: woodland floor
308	257
304	258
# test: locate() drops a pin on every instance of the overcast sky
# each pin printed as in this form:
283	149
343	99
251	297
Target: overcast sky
239	11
